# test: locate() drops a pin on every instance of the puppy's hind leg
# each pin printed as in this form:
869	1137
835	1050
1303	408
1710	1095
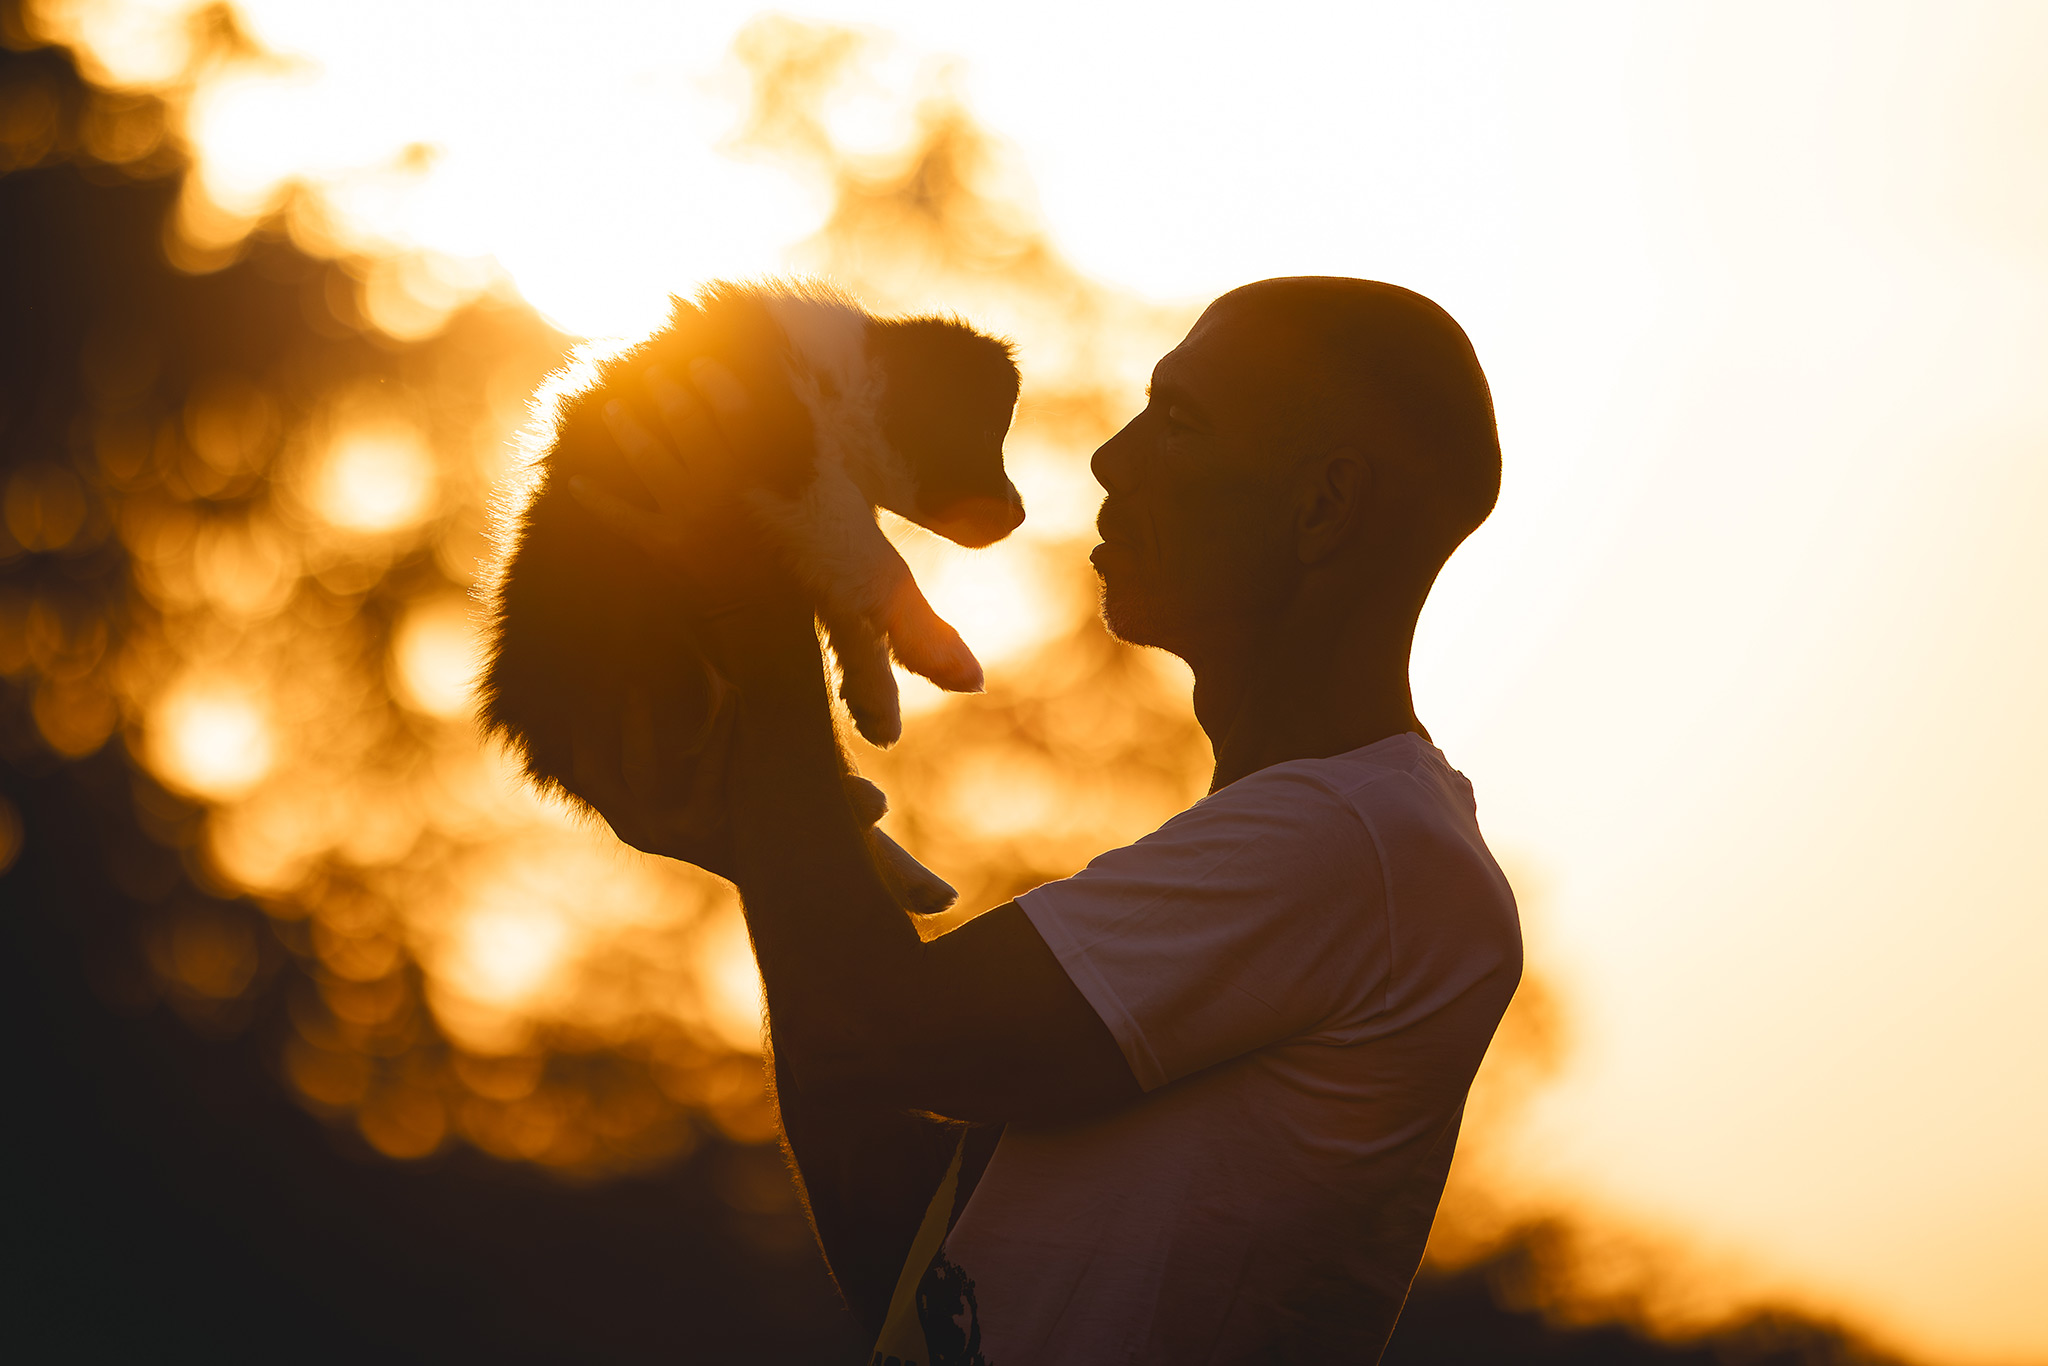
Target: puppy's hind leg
917	889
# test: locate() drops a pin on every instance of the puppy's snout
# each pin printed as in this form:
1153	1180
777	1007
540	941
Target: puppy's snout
979	521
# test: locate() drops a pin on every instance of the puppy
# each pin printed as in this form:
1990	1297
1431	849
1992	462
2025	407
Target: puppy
909	414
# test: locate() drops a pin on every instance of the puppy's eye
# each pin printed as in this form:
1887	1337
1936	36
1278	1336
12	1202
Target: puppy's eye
1177	417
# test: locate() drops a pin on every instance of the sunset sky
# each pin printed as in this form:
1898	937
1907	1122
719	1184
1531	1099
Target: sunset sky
1748	669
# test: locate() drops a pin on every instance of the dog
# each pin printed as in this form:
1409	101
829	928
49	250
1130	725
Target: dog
908	414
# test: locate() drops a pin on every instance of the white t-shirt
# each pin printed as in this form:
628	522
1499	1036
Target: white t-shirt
1303	971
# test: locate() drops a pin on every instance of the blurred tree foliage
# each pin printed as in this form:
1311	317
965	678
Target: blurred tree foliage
171	1196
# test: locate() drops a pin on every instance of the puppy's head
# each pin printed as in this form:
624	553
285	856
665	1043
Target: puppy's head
948	394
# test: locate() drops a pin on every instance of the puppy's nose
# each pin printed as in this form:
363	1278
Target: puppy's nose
980	521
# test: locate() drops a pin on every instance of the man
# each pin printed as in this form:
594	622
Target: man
1229	1060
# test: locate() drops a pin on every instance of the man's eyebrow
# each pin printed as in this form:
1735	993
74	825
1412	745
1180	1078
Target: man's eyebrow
1167	392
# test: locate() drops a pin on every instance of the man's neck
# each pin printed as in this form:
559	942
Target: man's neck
1306	686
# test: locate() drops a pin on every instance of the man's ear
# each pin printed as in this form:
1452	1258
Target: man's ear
1333	497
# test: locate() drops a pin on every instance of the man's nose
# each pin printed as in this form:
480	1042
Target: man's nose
1113	464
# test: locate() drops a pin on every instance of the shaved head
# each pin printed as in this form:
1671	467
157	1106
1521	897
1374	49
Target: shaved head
1387	368
1307	429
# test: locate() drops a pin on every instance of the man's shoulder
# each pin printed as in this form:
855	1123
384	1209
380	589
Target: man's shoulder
1399	770
1420	818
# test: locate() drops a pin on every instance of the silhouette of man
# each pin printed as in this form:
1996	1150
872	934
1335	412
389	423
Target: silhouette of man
1229	1061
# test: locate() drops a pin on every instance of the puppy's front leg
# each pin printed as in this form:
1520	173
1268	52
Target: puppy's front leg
925	644
865	681
832	542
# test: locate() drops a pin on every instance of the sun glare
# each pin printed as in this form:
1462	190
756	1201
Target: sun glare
729	981
212	739
505	955
376	480
435	657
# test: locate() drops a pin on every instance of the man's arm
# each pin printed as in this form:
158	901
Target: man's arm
980	1024
868	1024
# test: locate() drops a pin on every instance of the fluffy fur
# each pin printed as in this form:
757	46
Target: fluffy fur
907	414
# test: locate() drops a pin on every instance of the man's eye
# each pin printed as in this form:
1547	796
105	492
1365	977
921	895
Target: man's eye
1176	418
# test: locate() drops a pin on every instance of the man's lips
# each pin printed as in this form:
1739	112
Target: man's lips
1117	542
1106	552
1109	526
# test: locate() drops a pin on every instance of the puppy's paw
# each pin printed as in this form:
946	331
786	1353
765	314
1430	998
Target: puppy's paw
878	718
924	644
917	889
934	649
868	801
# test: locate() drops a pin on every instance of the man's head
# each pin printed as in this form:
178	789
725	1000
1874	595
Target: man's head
1311	428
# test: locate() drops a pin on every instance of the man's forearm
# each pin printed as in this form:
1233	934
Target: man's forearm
827	933
826	936
867	1172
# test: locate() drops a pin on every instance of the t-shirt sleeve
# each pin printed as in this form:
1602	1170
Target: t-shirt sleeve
1254	916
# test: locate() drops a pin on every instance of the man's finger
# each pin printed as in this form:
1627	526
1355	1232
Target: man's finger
690	424
591	768
720	387
599	776
650	530
661	465
744	425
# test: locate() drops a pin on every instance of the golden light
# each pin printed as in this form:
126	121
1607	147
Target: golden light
996	598
997	796
1745	668
915	695
1060	496
123	42
729	981
211	738
435	657
375	480
504	956
250	119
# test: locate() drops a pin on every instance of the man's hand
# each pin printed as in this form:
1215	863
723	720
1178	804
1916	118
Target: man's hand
671	798
691	460
666	801
691	470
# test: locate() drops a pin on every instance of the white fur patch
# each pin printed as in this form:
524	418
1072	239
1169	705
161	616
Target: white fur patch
829	530
839	380
829	334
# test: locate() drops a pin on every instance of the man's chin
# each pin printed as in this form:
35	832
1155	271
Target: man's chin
1133	620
